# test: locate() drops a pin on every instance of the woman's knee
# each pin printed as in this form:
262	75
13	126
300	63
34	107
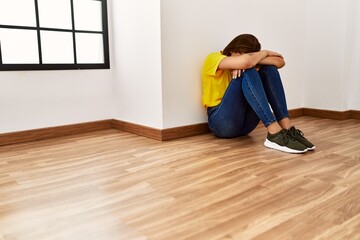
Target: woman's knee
251	75
268	69
250	71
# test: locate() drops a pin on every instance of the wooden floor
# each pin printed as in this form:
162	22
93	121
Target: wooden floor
115	185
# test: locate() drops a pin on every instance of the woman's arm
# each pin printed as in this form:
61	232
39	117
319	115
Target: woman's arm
276	61
247	60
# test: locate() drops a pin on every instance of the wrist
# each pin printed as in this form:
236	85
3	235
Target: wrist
265	53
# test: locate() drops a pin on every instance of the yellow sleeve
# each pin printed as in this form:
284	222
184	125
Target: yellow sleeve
211	64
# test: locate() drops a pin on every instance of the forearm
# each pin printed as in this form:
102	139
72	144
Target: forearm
277	61
253	59
243	61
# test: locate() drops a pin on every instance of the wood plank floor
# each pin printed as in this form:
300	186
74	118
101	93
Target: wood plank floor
115	185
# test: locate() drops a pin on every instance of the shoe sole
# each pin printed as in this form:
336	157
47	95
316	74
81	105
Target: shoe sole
311	149
276	146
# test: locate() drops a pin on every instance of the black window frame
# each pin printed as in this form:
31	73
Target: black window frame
62	66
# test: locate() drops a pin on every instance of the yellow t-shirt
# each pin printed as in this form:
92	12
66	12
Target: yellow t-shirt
214	81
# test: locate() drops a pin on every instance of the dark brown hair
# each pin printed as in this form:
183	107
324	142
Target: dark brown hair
243	43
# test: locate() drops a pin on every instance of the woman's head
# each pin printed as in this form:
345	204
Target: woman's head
243	43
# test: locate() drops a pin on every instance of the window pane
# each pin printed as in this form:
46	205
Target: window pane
57	47
55	13
19	46
88	15
17	12
89	48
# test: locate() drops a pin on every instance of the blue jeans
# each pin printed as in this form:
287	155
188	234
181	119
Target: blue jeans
246	102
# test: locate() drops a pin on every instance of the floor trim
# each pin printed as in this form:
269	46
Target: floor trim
298	112
153	133
330	114
141	130
51	132
184	131
161	134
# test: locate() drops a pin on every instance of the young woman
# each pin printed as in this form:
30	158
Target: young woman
239	83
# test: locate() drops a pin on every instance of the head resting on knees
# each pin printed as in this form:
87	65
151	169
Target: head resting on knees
244	43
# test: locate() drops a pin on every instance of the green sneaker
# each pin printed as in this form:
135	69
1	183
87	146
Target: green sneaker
285	142
299	135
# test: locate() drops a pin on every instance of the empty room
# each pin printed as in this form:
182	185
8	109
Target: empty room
174	120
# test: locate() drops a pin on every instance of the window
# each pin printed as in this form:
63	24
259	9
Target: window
53	34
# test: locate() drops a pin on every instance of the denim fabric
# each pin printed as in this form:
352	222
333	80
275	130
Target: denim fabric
246	102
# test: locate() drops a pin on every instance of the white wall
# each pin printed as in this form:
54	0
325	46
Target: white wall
352	59
130	91
192	29
38	99
137	61
327	29
333	55
157	51
319	39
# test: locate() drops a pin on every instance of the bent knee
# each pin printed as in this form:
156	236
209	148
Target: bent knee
268	68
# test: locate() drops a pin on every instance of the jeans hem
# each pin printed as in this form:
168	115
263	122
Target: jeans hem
282	117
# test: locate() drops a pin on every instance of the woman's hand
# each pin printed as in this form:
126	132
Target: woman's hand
236	73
